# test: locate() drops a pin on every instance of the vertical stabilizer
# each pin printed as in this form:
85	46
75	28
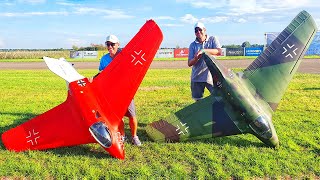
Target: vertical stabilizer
63	68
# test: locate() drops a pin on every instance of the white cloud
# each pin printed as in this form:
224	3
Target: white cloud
34	14
87	10
95	35
240	20
235	11
189	18
163	18
107	13
77	42
118	16
9	4
32	1
172	25
67	4
209	4
251	4
215	19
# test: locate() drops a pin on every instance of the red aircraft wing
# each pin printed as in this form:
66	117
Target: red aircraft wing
58	127
119	81
112	91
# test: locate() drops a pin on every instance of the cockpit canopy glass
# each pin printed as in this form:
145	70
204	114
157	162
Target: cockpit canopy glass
101	134
261	127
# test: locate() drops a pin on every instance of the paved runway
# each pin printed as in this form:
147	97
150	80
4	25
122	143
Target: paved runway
307	65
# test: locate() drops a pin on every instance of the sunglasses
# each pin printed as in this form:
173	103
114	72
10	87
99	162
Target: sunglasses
110	44
197	29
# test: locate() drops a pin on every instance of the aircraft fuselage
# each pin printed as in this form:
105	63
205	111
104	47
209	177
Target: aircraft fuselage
109	136
250	114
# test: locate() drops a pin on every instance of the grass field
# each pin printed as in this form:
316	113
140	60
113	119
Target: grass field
25	94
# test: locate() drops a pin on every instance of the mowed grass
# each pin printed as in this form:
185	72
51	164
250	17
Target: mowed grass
26	94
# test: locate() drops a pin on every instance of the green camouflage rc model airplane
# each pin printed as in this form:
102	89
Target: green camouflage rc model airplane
242	102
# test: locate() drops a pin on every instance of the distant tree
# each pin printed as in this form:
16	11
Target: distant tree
257	45
86	49
74	47
92	47
99	47
245	44
231	46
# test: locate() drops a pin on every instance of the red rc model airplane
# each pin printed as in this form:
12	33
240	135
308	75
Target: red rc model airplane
93	111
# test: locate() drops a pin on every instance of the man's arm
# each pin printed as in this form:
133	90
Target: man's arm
216	51
195	59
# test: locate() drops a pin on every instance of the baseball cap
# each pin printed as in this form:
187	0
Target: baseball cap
199	25
112	38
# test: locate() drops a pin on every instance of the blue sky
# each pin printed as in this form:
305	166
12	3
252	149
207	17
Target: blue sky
63	23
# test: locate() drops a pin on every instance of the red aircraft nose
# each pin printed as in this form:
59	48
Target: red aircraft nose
116	151
111	142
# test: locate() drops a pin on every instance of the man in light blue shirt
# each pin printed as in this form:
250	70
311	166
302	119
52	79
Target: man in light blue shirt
112	43
200	75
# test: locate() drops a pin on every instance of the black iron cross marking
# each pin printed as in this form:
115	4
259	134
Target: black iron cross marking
81	83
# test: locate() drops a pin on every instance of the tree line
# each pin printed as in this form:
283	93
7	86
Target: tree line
244	44
102	47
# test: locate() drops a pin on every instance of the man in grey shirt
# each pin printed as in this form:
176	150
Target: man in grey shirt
200	76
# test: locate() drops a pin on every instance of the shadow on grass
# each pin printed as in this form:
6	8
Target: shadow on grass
24	117
235	140
81	150
311	89
18	121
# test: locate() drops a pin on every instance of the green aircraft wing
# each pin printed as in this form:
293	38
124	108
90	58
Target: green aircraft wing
272	71
211	116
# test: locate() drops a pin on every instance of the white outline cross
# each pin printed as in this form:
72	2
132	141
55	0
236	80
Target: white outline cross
33	137
290	47
186	128
141	57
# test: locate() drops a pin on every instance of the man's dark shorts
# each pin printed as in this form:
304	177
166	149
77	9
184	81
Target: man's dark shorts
197	89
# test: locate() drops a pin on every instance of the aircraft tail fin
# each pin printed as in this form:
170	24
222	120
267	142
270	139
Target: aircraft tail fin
63	68
272	71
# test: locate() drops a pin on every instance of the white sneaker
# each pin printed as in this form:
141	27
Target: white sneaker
136	141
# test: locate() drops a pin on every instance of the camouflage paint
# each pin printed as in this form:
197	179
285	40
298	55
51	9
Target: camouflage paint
242	102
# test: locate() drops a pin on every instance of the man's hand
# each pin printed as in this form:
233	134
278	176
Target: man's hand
90	79
199	54
196	58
